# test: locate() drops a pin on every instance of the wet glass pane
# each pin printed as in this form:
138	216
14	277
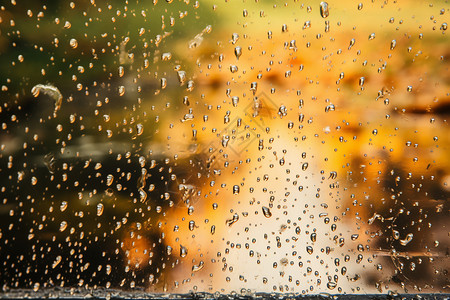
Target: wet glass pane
297	147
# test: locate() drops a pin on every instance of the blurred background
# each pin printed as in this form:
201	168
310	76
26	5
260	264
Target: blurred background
217	146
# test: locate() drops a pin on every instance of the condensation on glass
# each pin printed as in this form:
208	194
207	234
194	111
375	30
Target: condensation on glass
224	146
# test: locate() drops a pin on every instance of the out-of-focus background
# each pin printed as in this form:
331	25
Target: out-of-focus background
225	146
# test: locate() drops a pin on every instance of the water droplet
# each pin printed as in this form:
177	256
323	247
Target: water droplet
166	56
63	206
233	220
34	180
73	43
100	208
196	268
190	210
235	100
361	81
234	38
139	129
324	9
62	226
331	285
304	166
121	90
290	125
233	68
57	261
36	287
142	195
352	43
190	86
330	107
236	189
266	211
307	25
183	251
393	44
238	52
309	249
191	225
181	76
407	239
109	179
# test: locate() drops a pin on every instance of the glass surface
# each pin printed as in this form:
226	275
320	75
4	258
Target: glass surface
294	147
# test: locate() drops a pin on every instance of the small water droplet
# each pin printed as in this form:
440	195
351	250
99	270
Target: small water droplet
109	179
331	285
393	44
307	25
121	90
166	56
100	208
236	189
139	129
73	43
62	226
191	225
63	206
352	43
330	107
183	251
57	261
181	76
304	166
361	81
238	52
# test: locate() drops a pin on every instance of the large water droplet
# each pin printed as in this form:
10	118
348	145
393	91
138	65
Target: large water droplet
324	9
266	211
